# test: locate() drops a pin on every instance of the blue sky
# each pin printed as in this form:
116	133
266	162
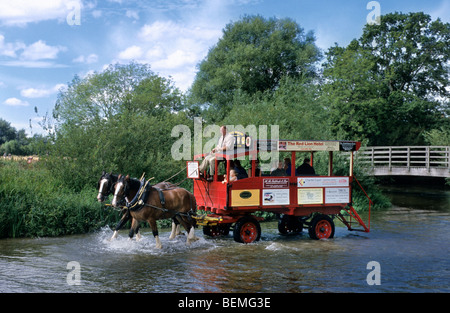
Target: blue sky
42	46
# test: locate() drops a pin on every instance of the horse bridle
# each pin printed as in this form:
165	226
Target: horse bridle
106	179
124	193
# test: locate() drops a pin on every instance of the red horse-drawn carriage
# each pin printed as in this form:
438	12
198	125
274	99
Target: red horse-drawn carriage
310	201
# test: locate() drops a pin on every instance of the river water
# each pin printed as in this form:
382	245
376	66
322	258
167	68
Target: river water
409	243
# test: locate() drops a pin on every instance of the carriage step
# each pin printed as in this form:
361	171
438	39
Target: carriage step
354	218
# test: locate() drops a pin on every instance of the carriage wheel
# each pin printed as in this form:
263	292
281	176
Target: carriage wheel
216	230
290	225
321	227
247	230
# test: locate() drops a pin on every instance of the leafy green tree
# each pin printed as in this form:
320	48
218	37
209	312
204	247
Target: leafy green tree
118	120
14	142
293	107
99	96
253	56
7	132
438	137
390	86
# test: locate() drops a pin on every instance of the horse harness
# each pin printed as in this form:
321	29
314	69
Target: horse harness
141	197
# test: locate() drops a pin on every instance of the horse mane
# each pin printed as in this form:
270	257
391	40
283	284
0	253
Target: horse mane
134	183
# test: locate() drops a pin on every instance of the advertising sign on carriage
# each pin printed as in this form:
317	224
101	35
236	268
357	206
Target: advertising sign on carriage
337	195
306	182
310	196
192	169
307	145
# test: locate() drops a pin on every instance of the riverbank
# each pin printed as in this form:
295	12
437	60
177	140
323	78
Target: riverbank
35	204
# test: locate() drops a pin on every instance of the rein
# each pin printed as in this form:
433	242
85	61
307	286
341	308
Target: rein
139	200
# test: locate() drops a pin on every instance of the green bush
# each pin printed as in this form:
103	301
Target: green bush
33	203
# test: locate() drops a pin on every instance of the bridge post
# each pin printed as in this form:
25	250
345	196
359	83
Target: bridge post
390	158
408	158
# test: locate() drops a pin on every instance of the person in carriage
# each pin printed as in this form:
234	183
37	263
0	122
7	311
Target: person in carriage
225	143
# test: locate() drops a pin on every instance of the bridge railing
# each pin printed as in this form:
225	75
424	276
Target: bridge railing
430	160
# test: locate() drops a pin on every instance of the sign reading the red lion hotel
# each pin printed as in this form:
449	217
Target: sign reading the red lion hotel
305	145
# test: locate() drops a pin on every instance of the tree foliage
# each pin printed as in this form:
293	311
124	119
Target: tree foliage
16	142
390	85
253	55
117	120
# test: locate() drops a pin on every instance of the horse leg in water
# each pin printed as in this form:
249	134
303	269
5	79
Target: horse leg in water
154	227
122	222
188	225
175	229
135	225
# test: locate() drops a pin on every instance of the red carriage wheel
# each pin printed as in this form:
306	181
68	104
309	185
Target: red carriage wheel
321	227
247	230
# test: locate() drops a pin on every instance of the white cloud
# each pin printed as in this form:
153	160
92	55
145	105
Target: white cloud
132	14
131	53
35	55
14	102
9	49
172	49
176	59
90	59
32	64
40	50
40	93
21	12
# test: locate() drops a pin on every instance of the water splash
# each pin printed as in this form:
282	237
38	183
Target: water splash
146	244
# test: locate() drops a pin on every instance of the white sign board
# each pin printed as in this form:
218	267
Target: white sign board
306	182
192	169
275	196
337	195
310	196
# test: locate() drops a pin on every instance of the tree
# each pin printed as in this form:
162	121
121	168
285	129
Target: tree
13	141
99	95
253	56
390	86
117	120
293	107
7	132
